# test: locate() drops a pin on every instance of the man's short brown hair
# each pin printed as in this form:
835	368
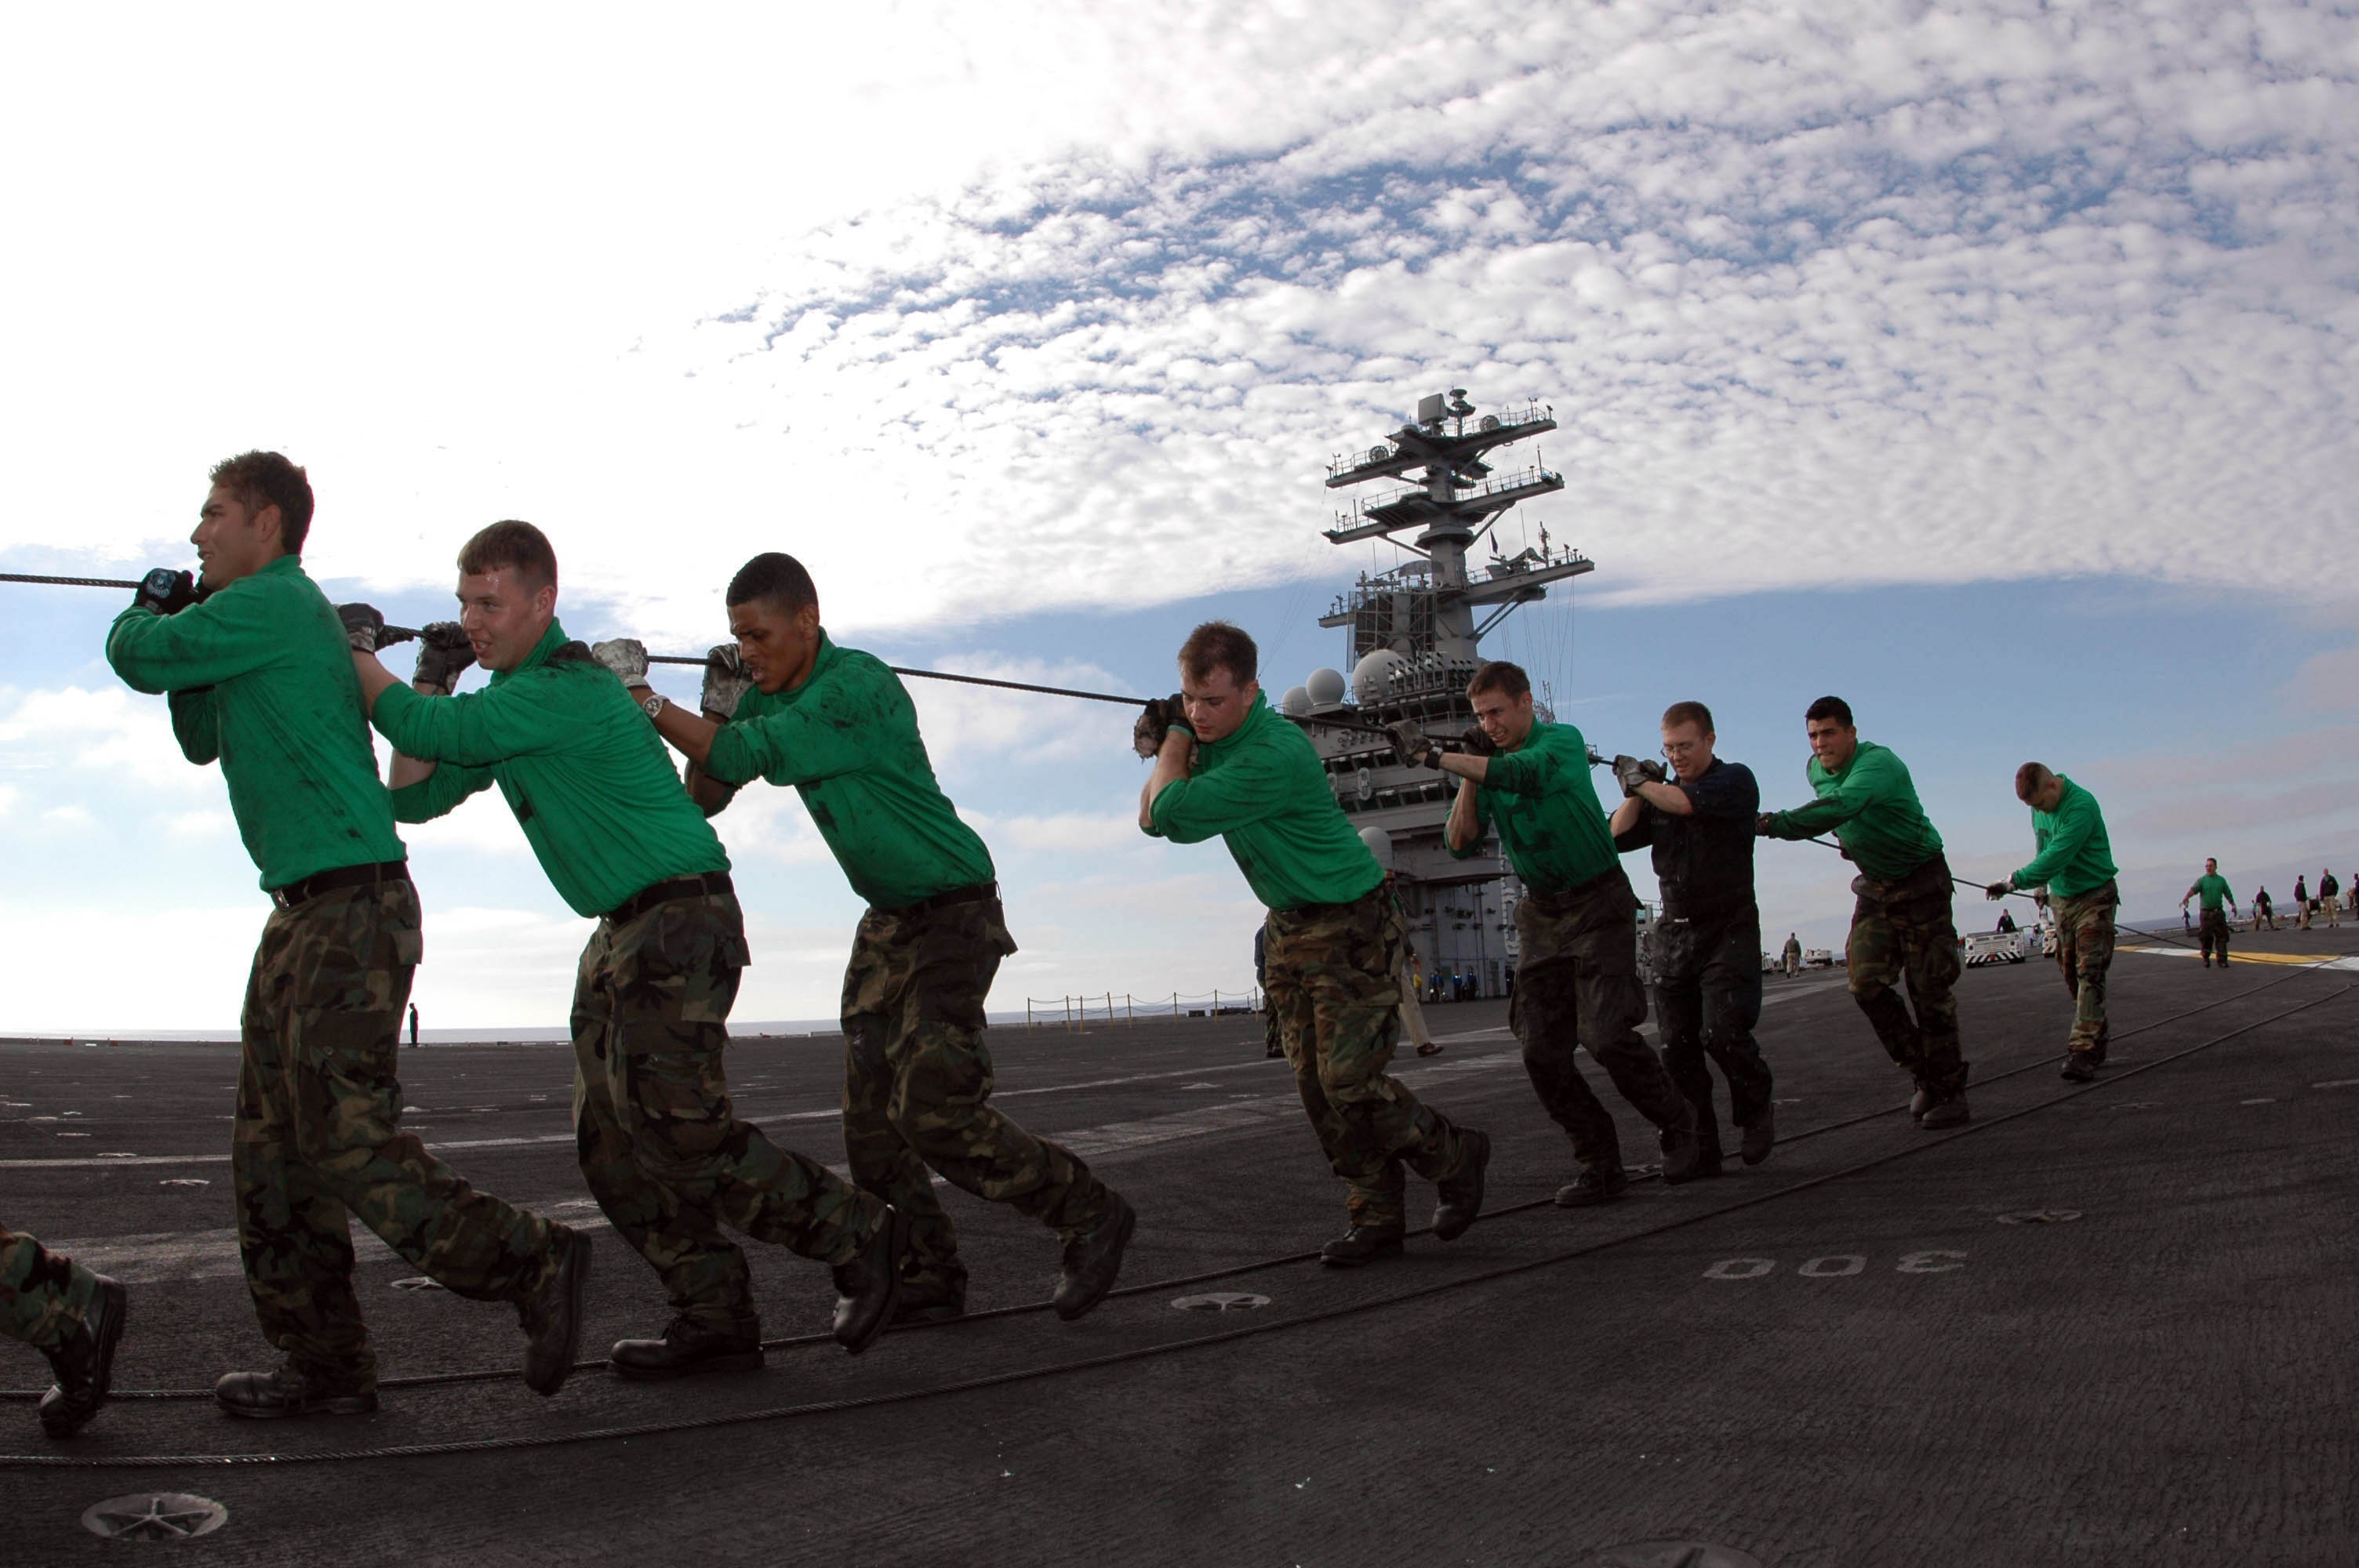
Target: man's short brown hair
1220	646
517	545
1694	713
268	479
1501	676
2031	779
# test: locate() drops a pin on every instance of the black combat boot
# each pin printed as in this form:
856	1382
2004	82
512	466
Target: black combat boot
553	1317
291	1391
2079	1068
1760	1138
85	1363
1683	1154
1093	1259
1594	1186
1460	1196
1946	1112
687	1348
1362	1244
867	1288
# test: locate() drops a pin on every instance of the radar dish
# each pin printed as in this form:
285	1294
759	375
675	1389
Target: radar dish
1374	674
1488	422
1380	845
1296	700
1378	454
1325	687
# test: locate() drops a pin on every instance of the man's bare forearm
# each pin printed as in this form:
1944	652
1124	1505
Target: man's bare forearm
1668	797
689	734
1461	829
1170	767
1465	764
375	681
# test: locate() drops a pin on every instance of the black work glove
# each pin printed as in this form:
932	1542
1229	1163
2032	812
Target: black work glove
1632	772
1999	889
363	626
1413	746
443	655
1762	824
1154	722
1477	743
725	681
166	591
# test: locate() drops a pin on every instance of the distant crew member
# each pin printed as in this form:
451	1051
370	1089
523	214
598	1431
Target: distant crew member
1793	955
2264	912
658	1142
2212	888
70	1315
1707	945
784	703
413	1026
259	667
2006	921
2300	901
2074	863
1901	926
1577	983
1227	765
2330	898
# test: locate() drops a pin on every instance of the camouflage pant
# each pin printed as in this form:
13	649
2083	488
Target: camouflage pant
44	1296
660	1145
1900	930
1577	985
2214	931
2084	950
1334	983
918	1081
317	1137
1707	1000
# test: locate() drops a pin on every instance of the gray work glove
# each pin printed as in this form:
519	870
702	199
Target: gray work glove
1631	771
2000	889
627	657
725	681
1413	746
1154	722
1478	743
166	591
443	655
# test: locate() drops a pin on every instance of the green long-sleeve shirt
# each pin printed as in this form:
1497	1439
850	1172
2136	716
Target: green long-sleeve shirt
847	740
1261	789
584	772
1872	806
2074	855
261	680
1550	820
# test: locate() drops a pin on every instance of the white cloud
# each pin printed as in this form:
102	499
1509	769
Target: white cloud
111	731
68	819
201	825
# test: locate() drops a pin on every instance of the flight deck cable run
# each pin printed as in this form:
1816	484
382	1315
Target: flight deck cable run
1146	1353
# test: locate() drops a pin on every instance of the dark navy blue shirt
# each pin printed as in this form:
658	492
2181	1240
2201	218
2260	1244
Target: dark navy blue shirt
1704	862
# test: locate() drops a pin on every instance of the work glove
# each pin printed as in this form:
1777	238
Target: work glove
1413	746
1999	889
627	657
1155	721
725	681
1477	743
363	627
166	591
443	655
1632	772
1763	824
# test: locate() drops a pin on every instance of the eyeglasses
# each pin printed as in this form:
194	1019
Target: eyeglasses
1675	750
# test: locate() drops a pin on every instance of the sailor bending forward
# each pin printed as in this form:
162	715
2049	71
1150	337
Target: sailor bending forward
661	1146
785	704
2075	864
1225	764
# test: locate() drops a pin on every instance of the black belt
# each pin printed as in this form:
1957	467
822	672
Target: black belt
312	886
670	890
1561	901
974	892
1349	904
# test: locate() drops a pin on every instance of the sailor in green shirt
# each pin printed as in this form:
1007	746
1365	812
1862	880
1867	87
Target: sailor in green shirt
786	703
1577	975
1901	926
2213	889
2075	866
260	675
663	1149
1226	765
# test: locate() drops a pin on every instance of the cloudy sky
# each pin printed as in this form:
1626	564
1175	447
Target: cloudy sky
1991	365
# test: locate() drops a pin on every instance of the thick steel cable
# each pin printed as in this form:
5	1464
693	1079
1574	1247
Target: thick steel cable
67	581
1139	1353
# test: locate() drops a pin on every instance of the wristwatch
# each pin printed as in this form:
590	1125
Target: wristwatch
653	703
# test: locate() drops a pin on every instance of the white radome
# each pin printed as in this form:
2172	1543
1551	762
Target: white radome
1296	700
1373	673
1325	687
1380	845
